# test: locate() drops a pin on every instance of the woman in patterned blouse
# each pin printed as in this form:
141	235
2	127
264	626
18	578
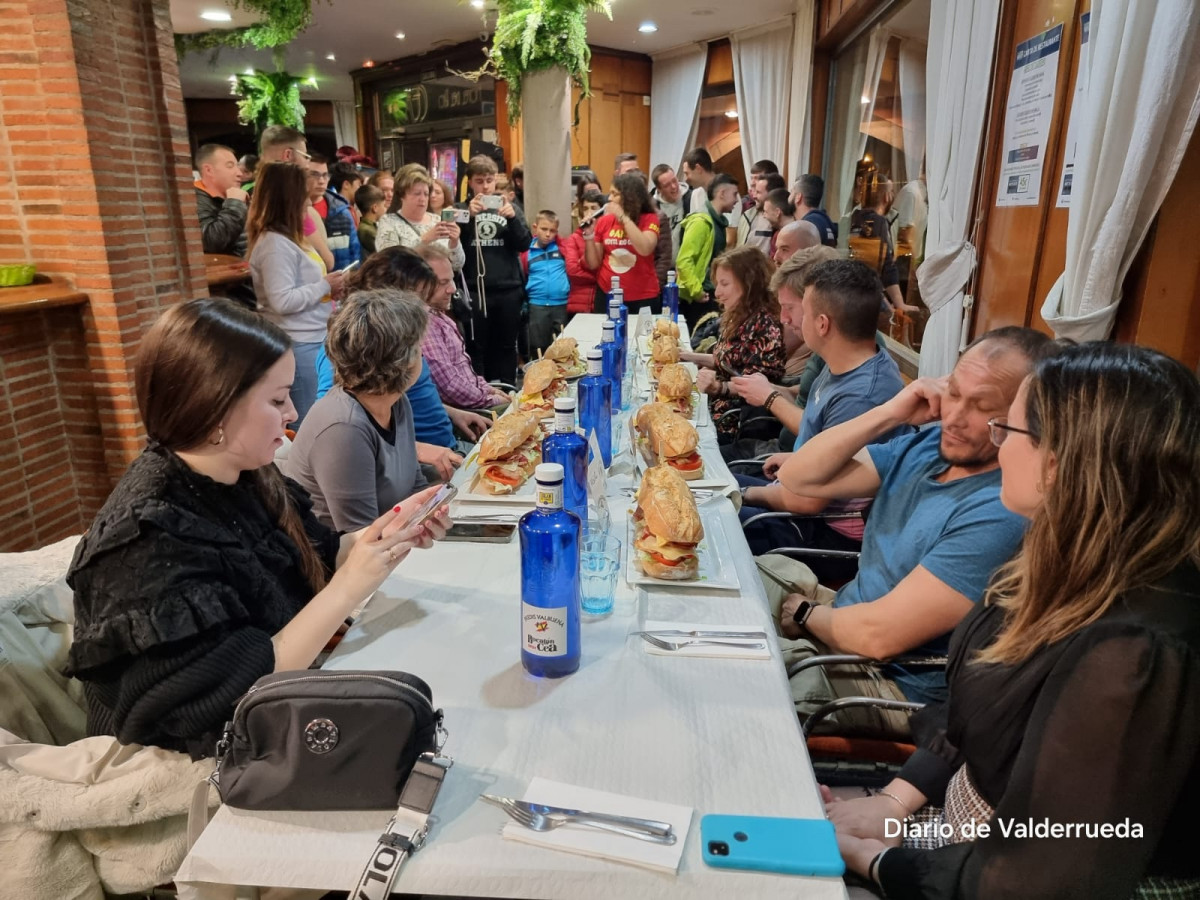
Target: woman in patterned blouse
751	335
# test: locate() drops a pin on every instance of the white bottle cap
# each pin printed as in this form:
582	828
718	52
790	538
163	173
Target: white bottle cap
548	473
564	404
595	353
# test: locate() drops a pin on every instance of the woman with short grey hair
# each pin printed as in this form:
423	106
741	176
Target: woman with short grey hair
356	451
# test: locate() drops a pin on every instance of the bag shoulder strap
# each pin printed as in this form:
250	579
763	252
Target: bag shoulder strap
406	831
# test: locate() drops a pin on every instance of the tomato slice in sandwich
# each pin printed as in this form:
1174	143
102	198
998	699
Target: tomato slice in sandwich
503	477
662	560
689	463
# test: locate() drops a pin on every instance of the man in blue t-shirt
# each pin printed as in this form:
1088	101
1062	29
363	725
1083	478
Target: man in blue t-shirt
936	533
835	306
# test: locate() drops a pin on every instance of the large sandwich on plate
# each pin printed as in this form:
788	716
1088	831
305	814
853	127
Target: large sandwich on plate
664	350
675	388
564	353
667	327
666	526
542	384
666	438
509	452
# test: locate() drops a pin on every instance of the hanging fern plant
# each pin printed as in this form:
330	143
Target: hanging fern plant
269	98
282	21
533	35
395	105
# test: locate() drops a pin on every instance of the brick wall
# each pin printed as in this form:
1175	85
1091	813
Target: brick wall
95	182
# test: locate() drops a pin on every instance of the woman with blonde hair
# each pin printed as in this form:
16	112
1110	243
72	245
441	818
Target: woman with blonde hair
409	223
751	335
289	276
1072	728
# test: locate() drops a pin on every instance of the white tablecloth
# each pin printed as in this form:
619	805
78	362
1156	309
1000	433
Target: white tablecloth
718	735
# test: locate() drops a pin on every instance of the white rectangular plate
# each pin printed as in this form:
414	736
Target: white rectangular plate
466	478
706	454
717	570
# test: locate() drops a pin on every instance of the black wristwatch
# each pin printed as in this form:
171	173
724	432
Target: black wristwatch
803	611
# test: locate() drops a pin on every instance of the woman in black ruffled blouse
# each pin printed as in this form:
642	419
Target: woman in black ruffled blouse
1072	730
206	569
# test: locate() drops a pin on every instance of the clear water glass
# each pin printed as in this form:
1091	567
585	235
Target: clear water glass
599	565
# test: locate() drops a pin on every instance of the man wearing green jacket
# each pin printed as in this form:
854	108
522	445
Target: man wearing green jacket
702	241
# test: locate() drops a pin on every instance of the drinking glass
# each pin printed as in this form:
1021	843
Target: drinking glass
599	563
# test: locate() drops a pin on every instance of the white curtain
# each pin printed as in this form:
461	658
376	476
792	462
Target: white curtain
676	82
962	38
857	85
912	104
1139	112
345	124
762	81
795	162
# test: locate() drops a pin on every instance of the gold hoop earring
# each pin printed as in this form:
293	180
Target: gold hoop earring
220	437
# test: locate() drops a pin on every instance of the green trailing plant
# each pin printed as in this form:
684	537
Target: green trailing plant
533	35
270	98
395	104
281	21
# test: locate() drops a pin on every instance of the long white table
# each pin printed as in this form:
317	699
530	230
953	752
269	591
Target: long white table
718	735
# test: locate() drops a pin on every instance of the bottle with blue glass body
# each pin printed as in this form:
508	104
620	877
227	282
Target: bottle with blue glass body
615	307
569	449
595	405
550	544
671	297
612	361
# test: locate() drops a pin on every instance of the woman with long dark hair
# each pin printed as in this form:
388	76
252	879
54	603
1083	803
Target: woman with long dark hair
1072	729
621	243
289	276
206	569
751	337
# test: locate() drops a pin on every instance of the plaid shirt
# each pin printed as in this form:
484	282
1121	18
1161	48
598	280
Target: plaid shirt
458	383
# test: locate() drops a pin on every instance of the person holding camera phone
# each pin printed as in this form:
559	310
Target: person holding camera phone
494	240
409	222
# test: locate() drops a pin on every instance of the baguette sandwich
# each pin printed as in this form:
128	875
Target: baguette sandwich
667	327
663	351
509	452
564	353
675	388
542	384
667	526
667	439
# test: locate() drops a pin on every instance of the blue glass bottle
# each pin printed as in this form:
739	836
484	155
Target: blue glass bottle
595	405
569	449
550	543
615	308
612	361
671	297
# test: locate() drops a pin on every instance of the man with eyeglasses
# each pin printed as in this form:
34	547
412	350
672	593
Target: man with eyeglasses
936	531
341	232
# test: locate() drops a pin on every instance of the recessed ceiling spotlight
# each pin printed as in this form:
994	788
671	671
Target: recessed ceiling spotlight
399	35
233	78
312	81
331	57
216	15
369	64
731	114
249	72
478	4
647	28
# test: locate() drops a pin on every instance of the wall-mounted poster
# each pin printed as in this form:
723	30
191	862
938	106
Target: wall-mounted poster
1027	117
1081	86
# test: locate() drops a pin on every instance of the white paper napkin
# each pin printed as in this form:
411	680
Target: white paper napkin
601	844
713	650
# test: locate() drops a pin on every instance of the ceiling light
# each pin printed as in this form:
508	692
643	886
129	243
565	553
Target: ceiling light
330	57
399	35
249	72
731	113
233	78
312	80
647	28
866	100
216	15
369	64
478	4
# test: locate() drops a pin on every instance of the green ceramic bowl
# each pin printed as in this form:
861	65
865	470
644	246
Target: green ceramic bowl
15	276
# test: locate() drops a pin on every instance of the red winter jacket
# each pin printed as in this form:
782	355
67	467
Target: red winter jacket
583	280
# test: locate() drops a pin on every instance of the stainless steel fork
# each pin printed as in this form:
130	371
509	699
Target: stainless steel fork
522	814
692	642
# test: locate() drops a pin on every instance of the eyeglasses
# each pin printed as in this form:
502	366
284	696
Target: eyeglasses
998	429
299	152
318	176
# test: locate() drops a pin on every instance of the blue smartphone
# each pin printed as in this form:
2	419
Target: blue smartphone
763	844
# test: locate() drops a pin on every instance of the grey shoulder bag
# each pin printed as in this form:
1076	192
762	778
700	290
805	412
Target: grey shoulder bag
329	740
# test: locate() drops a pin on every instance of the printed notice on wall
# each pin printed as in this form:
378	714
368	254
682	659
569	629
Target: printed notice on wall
1077	101
1027	118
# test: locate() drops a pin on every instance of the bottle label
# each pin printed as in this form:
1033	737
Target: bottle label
564	422
609	337
595	366
544	630
550	496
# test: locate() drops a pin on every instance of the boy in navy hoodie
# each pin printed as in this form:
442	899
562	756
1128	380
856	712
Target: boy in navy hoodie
546	282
